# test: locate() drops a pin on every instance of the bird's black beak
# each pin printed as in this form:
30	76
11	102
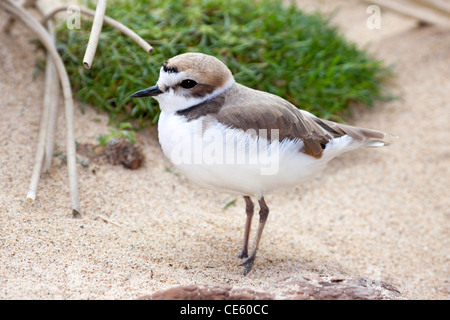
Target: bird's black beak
149	92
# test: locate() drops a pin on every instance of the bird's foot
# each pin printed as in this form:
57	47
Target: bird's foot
248	264
244	254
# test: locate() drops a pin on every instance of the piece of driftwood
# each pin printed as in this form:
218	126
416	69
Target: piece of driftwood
292	288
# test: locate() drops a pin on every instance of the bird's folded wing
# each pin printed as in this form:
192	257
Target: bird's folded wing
277	118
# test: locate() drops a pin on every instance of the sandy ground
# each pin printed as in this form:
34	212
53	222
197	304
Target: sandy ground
382	214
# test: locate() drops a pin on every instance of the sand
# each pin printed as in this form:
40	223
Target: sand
377	213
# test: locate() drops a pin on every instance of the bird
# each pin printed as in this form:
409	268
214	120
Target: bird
230	138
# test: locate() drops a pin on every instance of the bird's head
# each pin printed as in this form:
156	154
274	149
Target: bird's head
187	80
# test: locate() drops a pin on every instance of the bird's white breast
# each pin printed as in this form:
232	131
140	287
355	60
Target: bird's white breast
230	160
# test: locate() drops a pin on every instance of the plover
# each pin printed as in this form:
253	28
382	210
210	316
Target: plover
230	138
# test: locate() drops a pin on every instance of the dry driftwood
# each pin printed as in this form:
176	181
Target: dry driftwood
292	288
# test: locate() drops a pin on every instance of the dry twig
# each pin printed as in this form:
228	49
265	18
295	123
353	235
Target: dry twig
53	91
52	117
55	71
95	34
109	21
105	219
40	150
33	24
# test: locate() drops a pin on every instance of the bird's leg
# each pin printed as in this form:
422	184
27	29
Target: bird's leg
263	214
249	209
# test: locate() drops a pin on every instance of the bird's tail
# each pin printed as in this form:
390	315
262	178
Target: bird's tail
365	137
368	137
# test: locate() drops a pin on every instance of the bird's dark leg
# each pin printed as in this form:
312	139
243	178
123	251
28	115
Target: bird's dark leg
249	209
263	214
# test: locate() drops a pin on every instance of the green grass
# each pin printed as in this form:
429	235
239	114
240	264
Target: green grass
267	46
124	132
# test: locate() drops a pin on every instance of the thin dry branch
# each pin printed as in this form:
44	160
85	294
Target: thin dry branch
109	21
34	25
107	220
53	91
52	117
40	149
55	69
44	147
95	34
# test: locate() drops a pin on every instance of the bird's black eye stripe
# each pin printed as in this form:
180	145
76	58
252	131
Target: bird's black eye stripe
188	83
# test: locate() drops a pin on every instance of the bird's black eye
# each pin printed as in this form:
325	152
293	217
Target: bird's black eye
188	84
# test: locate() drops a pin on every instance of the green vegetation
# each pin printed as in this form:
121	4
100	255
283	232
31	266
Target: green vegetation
229	204
267	46
124	132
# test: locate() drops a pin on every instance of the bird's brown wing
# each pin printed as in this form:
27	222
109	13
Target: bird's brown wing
245	108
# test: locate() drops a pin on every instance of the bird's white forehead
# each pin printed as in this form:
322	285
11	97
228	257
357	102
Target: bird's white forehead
170	79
